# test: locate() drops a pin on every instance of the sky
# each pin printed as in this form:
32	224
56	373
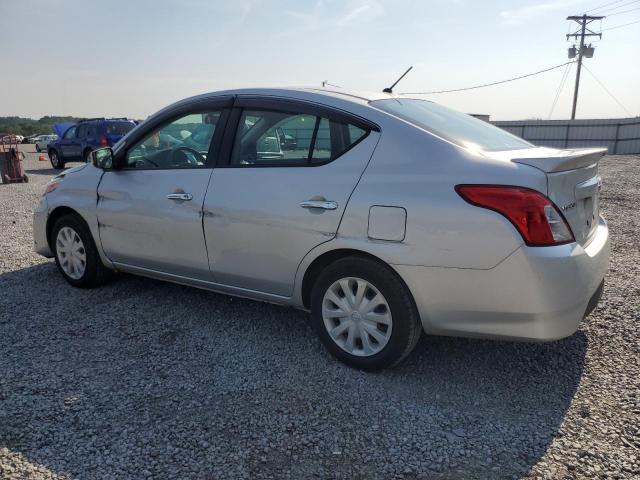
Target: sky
133	57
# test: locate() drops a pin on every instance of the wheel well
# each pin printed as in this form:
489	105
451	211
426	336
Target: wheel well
321	262
53	218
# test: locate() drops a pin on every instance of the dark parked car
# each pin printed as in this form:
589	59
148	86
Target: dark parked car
76	141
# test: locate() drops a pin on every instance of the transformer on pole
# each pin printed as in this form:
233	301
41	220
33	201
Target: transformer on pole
582	51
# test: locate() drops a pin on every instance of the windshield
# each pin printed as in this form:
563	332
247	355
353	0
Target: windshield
459	128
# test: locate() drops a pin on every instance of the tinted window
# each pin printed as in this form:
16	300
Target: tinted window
70	133
183	143
119	128
459	128
82	130
268	137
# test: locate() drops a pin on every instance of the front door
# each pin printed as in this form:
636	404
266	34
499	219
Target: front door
150	211
274	201
69	145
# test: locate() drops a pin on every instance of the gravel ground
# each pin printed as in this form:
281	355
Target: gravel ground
144	379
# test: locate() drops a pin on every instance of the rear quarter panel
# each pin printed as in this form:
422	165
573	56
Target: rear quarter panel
417	171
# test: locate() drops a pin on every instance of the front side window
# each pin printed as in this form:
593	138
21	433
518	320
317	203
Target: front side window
70	133
274	138
459	128
183	143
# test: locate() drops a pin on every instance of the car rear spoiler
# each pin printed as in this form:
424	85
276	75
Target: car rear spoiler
562	160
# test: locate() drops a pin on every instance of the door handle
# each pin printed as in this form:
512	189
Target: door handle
180	196
324	204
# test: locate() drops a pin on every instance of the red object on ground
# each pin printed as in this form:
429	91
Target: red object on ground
11	169
42	158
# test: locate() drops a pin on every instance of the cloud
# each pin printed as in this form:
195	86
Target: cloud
360	12
522	15
337	14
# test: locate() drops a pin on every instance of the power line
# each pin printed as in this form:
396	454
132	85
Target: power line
617	7
489	84
619	26
607	90
605	5
626	11
563	80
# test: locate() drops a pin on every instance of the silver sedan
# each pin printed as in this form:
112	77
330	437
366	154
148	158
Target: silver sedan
386	216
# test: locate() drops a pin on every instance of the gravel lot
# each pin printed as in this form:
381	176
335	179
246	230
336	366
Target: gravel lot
144	379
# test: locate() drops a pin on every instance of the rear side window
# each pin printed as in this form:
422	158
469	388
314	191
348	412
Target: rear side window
82	130
274	138
119	128
459	128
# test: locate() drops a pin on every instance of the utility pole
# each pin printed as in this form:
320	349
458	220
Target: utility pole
583	21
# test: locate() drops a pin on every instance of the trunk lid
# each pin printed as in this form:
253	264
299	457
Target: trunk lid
573	184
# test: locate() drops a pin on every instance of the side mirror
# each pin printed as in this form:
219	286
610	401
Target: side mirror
102	158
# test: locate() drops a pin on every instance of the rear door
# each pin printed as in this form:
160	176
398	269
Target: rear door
268	206
150	211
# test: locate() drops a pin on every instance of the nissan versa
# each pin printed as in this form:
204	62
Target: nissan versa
382	215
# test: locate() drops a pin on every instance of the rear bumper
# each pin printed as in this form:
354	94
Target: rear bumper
536	294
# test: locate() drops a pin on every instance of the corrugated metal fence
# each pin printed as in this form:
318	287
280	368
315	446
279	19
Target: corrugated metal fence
619	135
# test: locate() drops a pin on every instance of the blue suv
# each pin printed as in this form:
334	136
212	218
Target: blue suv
76	141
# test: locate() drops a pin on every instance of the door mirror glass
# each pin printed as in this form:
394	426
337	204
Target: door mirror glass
102	158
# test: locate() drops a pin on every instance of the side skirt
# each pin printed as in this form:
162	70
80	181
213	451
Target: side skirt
205	285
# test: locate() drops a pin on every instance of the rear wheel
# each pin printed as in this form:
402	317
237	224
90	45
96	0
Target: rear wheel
364	314
75	252
87	155
56	160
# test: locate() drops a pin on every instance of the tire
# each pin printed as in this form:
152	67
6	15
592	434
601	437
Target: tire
56	160
76	234
37	148
25	178
379	345
87	156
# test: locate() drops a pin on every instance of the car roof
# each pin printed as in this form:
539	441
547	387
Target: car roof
121	119
355	96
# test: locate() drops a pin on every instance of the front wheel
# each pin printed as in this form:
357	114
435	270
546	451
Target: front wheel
56	160
75	252
364	314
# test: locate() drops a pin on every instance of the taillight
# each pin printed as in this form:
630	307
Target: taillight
104	141
535	216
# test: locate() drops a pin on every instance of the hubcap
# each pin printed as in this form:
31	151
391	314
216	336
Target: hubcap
357	316
71	253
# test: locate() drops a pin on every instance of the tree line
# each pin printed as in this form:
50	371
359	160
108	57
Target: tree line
30	126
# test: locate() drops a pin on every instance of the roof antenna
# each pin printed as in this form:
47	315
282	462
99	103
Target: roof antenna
326	82
390	89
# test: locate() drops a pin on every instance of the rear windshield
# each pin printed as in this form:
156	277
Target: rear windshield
459	128
119	128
